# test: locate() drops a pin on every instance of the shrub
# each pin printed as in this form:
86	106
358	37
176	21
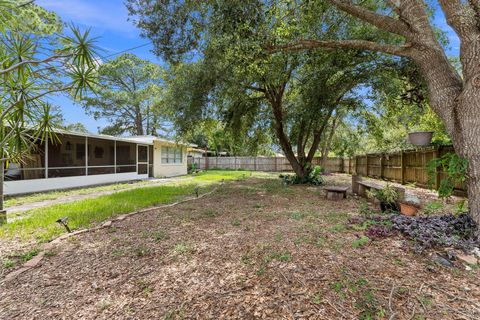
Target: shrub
313	177
456	169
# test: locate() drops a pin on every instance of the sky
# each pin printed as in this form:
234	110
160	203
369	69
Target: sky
108	20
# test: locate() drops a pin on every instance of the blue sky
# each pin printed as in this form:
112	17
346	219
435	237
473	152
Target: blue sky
108	21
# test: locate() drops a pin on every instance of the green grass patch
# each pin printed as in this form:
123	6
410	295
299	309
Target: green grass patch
40	223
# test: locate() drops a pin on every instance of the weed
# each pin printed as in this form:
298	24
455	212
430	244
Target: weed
296	216
432	207
25	256
236	223
160	235
210	213
360	242
183	248
118	252
140	252
317	298
7	263
337	228
261	271
278	236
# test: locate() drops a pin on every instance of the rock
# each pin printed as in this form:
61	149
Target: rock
451	255
412	200
470	259
476	252
442	261
468	268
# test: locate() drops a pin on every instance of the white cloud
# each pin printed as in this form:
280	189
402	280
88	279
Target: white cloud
105	14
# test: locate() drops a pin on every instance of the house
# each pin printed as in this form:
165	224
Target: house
195	152
81	159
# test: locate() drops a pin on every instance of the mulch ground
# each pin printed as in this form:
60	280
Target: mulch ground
252	250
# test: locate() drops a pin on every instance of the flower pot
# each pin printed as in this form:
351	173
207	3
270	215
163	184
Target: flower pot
420	138
408	210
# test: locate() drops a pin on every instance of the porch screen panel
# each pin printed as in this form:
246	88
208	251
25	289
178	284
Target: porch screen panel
126	157
101	156
66	156
32	166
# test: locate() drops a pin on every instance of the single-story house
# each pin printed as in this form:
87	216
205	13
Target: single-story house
82	159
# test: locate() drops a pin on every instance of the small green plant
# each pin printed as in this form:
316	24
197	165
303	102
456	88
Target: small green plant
364	209
160	235
432	207
461	207
140	251
456	169
210	213
183	248
317	298
387	195
360	242
236	223
7	263
296	215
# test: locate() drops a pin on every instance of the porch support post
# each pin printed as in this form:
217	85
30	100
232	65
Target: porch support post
86	156
46	157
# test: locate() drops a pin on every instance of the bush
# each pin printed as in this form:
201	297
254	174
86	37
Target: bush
314	177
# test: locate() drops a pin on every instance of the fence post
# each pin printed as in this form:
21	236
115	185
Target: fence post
342	166
382	166
402	167
366	164
235	163
437	173
255	164
276	165
356	164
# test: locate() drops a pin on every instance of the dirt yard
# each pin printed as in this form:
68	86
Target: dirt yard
252	250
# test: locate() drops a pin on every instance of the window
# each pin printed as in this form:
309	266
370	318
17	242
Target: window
172	155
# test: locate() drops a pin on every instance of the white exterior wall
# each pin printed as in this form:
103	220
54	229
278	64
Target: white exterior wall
38	185
161	170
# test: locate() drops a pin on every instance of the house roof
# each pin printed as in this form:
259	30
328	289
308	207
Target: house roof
147	139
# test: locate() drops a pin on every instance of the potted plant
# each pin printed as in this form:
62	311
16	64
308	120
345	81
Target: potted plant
387	197
409	206
420	136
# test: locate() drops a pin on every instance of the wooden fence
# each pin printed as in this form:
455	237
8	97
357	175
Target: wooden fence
275	164
405	167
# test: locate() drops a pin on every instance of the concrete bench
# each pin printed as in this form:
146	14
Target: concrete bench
364	186
361	187
336	192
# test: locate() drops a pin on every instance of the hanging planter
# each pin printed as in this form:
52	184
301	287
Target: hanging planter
420	138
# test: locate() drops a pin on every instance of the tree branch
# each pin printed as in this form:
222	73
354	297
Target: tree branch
398	50
380	21
462	17
18	65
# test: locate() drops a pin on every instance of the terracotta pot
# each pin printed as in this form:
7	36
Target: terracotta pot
420	138
408	210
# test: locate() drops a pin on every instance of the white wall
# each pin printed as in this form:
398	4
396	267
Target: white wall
37	185
160	169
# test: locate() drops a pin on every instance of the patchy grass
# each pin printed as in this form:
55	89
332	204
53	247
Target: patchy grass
40	223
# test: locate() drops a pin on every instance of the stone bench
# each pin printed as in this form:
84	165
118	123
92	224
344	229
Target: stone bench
336	192
361	187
